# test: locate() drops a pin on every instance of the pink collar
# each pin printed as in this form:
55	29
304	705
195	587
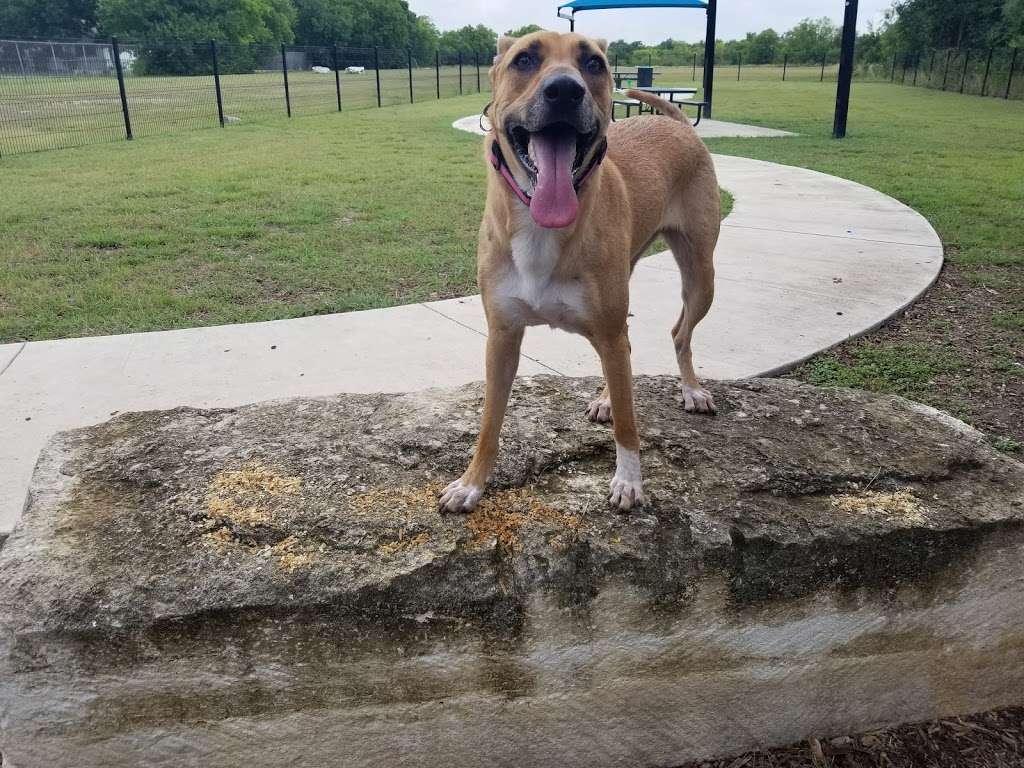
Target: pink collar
499	164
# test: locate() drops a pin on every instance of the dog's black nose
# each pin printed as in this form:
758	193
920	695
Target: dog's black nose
563	90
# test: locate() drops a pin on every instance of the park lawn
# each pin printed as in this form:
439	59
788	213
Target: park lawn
959	160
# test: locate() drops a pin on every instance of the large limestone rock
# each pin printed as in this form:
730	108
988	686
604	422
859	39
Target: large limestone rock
270	585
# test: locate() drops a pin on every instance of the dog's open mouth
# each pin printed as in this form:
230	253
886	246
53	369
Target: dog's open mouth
553	158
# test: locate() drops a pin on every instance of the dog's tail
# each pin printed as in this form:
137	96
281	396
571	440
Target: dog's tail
664	106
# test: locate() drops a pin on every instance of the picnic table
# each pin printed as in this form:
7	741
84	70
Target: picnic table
630	76
669	93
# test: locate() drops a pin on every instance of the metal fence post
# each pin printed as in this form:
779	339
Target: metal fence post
376	68
824	58
284	70
917	65
694	78
337	73
931	66
408	58
892	71
1009	76
476	56
945	72
21	63
963	77
906	63
120	87
437	71
739	65
216	82
988	67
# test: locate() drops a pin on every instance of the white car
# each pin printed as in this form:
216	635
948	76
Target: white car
355	70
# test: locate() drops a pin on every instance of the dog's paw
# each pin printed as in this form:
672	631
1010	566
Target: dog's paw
459	497
600	410
626	494
698	400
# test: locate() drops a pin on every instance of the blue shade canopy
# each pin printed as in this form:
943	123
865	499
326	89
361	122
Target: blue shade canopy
600	5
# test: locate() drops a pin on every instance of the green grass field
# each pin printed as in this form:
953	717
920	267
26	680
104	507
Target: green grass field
39	113
375	207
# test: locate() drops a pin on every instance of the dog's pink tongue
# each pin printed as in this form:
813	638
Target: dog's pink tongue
554	197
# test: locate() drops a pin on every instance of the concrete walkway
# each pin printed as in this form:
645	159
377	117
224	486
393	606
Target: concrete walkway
708	129
805	261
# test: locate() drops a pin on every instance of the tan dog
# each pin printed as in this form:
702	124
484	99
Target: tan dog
562	231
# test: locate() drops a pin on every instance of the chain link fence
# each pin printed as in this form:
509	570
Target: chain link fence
61	94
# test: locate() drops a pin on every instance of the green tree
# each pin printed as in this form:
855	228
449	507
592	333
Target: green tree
762	47
173	31
469	40
48	18
524	31
1013	13
811	39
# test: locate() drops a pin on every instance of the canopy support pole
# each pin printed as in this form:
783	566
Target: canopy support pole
709	56
845	70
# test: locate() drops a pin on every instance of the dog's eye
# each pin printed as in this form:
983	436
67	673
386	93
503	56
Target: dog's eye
595	65
523	61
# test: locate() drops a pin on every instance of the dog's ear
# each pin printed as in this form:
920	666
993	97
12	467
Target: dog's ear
504	43
601	43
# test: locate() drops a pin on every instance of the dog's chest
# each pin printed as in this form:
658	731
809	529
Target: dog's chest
529	294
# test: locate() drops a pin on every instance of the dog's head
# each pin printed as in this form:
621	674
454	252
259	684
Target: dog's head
551	107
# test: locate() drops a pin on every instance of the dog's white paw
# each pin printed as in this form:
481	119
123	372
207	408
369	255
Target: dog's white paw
627	485
698	400
626	494
459	497
600	410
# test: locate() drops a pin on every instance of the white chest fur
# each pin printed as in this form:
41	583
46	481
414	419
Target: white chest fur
528	293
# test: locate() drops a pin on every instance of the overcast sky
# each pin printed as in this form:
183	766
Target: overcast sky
735	17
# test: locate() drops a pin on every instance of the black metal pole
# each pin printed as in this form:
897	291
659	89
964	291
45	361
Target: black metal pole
477	57
437	71
739	65
917	65
824	58
785	63
845	69
408	57
376	68
284	71
1009	77
337	74
120	87
931	67
988	68
945	73
695	67
892	71
460	73
709	55
963	77
216	82
906	63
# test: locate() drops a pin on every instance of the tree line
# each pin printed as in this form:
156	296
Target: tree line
909	25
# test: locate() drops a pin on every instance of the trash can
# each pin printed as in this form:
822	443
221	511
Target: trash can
644	77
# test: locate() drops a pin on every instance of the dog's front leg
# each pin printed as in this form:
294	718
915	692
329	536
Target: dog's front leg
502	363
627	485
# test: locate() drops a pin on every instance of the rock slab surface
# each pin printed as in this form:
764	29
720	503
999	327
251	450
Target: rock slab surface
271	585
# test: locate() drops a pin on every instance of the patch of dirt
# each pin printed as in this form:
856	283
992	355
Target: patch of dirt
975	313
988	740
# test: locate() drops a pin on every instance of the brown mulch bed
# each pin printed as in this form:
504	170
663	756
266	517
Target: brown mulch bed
987	740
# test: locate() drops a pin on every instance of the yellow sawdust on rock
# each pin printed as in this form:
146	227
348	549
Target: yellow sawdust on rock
291	554
502	515
403	543
247	496
893	505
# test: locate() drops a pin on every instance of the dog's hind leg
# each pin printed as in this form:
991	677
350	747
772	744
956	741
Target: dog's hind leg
695	257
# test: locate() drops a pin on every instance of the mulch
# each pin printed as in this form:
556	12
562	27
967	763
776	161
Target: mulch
988	740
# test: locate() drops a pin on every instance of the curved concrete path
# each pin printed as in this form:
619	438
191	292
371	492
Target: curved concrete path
805	261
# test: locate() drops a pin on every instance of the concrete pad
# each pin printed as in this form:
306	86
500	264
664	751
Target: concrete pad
707	129
804	262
